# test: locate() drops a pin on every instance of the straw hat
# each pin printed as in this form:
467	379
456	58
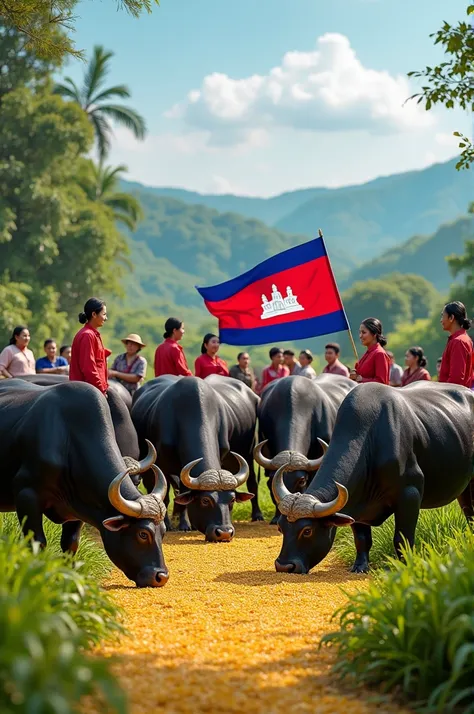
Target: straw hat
134	338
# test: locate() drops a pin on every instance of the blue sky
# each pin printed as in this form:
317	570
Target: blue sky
227	113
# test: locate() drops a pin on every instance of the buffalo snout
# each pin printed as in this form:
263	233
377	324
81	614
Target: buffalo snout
295	566
152	578
220	534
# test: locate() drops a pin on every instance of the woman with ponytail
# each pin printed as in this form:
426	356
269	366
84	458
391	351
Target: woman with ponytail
88	354
169	356
374	365
456	362
415	361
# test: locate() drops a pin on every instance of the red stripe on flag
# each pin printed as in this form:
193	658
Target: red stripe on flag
312	284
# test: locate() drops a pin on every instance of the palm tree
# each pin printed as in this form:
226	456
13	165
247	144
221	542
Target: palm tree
101	183
94	100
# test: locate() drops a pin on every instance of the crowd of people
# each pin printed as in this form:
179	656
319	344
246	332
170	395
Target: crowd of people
86	359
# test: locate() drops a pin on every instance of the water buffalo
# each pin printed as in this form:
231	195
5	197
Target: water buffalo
393	451
294	413
125	434
59	458
196	427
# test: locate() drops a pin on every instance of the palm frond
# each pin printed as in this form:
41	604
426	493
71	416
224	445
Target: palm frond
96	72
103	131
120	90
68	90
127	204
107	178
127	117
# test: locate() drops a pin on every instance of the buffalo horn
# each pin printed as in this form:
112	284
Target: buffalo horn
149	459
243	472
123	505
260	458
314	464
219	480
140	507
186	477
278	486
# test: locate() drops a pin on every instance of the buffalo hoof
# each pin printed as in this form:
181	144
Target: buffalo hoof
360	567
184	527
274	521
257	516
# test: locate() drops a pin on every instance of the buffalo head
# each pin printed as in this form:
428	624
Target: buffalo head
308	525
297	465
133	538
211	497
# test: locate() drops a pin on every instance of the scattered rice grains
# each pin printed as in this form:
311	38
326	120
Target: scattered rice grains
229	634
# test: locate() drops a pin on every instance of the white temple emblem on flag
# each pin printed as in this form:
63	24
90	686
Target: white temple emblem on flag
279	305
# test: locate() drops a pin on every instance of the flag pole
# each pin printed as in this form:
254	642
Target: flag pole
354	348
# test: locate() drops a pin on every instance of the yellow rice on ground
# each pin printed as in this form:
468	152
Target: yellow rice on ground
228	634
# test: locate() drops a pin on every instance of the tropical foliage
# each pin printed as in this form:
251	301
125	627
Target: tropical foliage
45	25
450	83
101	183
412	630
51	614
95	101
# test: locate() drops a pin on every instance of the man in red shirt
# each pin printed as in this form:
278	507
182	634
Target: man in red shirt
334	366
276	370
456	362
169	356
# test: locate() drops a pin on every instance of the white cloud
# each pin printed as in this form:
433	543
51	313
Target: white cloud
447	139
221	185
327	89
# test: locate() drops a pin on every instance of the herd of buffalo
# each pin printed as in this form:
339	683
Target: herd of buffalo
336	454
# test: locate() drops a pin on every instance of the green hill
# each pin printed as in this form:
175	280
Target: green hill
362	221
380	214
424	255
178	246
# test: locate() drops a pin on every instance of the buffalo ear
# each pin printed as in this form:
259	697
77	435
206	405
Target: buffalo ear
338	519
175	480
241	496
184	499
116	523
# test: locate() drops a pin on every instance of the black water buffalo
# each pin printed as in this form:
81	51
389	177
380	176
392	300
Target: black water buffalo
125	434
393	451
197	426
293	414
59	458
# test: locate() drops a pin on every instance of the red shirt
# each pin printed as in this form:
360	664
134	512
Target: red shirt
170	359
89	359
456	364
374	365
269	374
205	365
417	376
336	368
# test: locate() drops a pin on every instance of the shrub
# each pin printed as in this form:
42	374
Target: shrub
412	630
50	614
434	527
90	551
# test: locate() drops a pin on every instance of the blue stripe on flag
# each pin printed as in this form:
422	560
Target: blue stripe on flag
299	330
290	258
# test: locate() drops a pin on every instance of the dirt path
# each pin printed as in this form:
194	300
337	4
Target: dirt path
229	635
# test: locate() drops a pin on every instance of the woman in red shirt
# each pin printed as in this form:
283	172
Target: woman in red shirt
209	363
374	365
169	356
456	362
88	354
415	361
276	370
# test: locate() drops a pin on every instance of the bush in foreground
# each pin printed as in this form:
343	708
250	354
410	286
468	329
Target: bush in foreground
435	527
90	552
412	630
50	614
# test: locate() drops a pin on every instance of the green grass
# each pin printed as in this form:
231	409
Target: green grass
412	631
90	552
51	614
434	527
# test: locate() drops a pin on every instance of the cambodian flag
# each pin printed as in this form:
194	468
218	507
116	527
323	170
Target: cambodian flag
291	296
